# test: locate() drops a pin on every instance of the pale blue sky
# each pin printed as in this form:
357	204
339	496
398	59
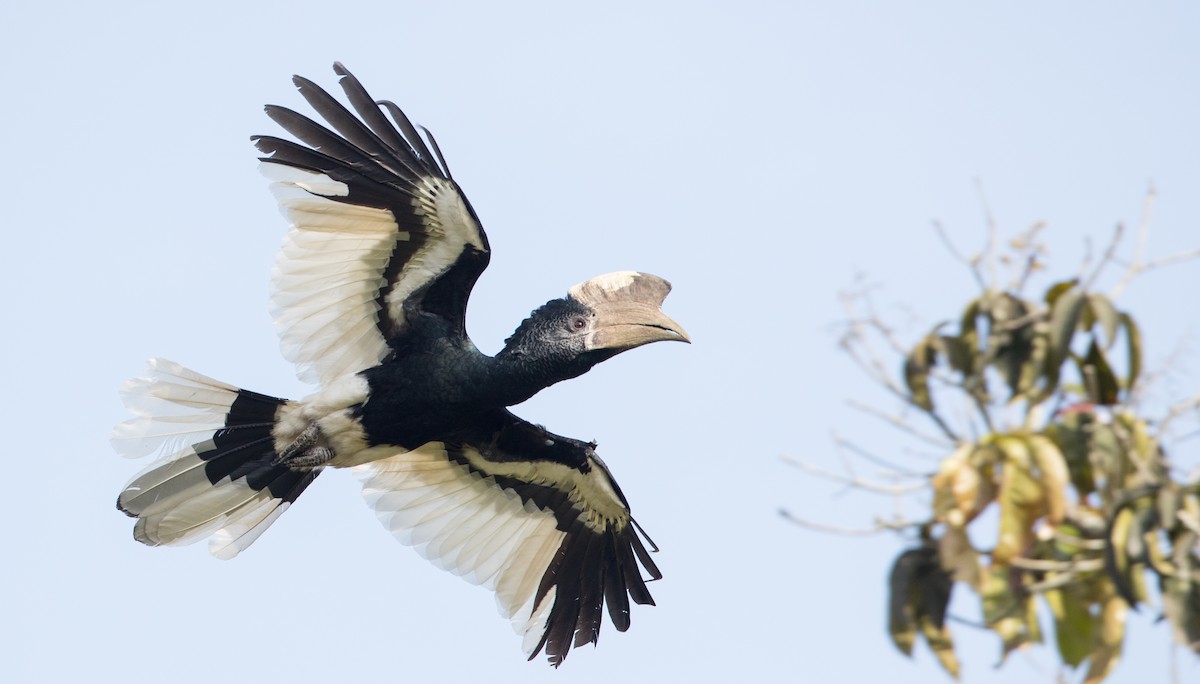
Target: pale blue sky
757	157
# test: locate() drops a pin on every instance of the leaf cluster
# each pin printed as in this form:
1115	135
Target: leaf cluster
1087	510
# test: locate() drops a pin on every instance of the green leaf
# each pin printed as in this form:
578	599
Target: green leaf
1100	379
1057	289
1032	370
1111	635
1010	338
920	593
1181	595
1074	624
916	372
1133	339
1103	312
902	623
1072	434
1109	460
958	353
1125	554
1064	319
1011	616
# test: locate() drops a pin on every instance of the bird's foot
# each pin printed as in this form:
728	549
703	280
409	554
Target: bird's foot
306	451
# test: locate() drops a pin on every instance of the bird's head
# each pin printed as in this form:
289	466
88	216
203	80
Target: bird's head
597	320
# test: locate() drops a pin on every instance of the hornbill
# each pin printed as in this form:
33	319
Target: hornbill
369	295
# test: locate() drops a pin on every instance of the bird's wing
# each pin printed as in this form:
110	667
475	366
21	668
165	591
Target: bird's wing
380	232
542	524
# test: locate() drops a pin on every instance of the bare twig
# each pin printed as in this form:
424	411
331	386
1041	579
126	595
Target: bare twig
1139	268
1066	572
852	480
989	252
875	322
856	343
983	411
972	264
901	424
1177	410
1089	544
1106	258
880	526
1034	316
1087	565
1139	249
1028	247
845	445
964	621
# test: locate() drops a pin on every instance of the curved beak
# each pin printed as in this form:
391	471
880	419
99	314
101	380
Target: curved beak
628	313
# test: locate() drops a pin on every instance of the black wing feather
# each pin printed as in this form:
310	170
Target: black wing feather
370	112
615	592
591	593
363	191
388	167
598	559
408	130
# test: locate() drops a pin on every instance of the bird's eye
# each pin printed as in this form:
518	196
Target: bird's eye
578	323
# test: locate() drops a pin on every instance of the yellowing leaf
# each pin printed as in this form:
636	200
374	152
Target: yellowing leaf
1123	570
1052	469
1021	498
1111	636
944	501
941	643
958	557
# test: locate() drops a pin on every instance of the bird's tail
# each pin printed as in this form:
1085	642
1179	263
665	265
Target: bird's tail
218	474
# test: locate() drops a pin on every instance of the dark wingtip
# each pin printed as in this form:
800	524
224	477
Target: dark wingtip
302	83
124	510
263	143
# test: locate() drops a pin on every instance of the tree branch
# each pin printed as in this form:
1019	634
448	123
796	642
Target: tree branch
972	264
901	424
880	526
1106	258
853	480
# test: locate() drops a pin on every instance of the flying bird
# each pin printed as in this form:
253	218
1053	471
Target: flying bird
369	295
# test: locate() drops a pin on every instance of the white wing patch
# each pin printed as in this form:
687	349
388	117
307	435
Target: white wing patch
331	268
465	523
450	227
328	275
